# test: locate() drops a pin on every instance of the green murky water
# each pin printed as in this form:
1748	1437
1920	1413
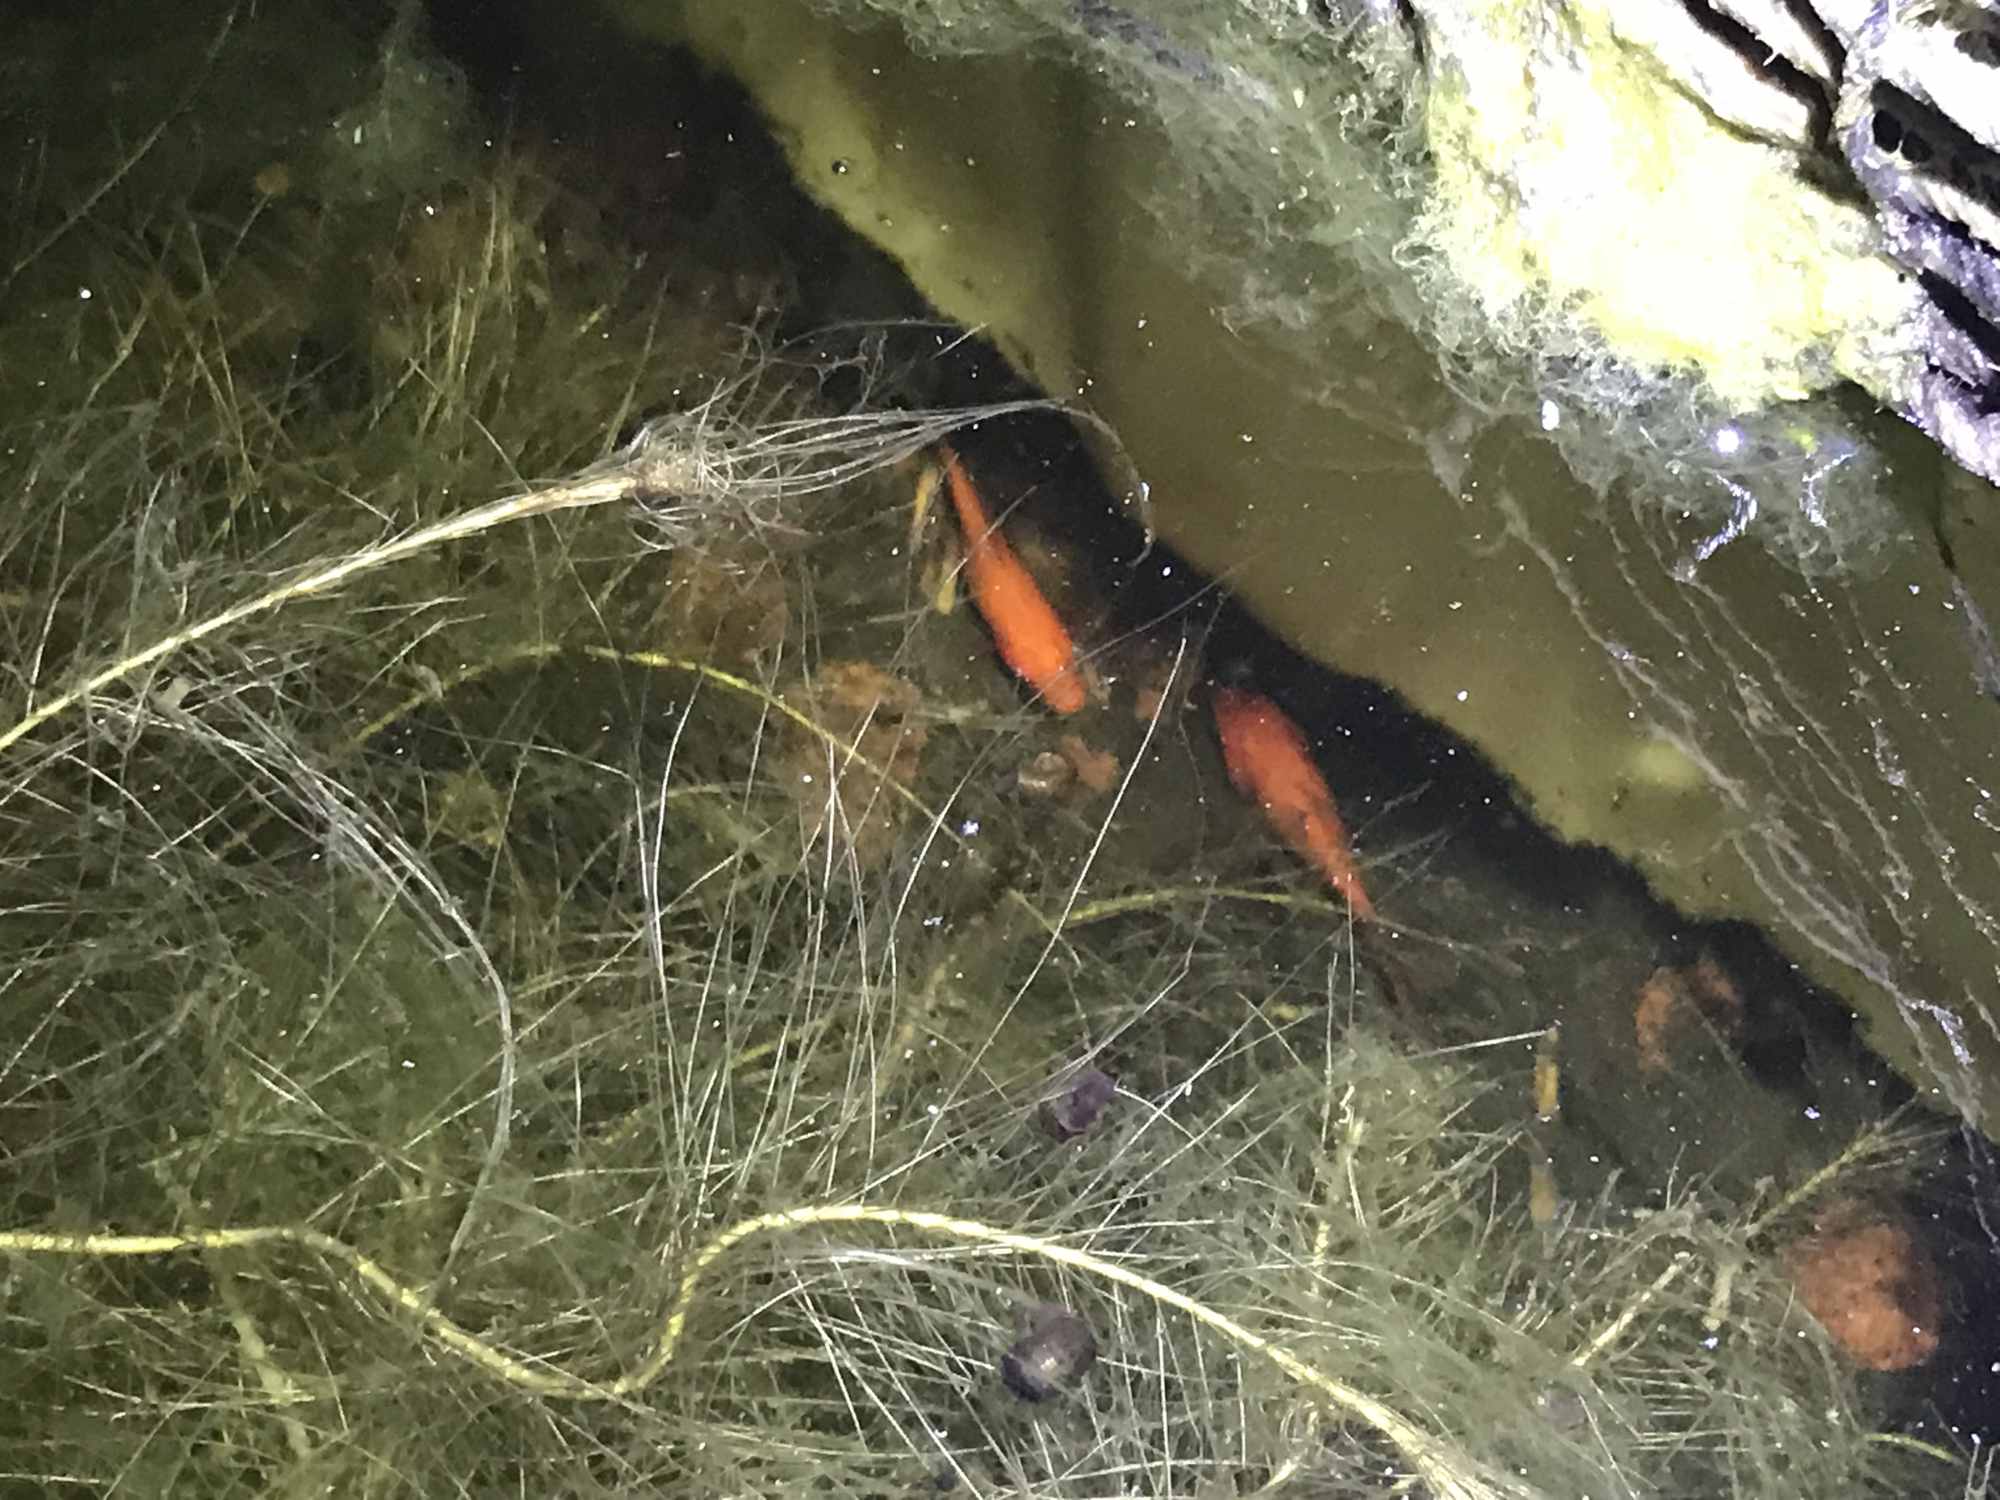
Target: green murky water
527	913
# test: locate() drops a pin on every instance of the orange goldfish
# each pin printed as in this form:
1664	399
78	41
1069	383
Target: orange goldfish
1268	760
1031	638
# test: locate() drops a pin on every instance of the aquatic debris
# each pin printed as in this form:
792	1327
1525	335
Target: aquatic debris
872	713
273	180
726	601
1547	1086
938	581
1871	1285
1032	639
1673	1002
1269	761
1046	775
1150	701
1096	770
944	558
1057	1351
1070	1113
929	477
1545	1198
1074	764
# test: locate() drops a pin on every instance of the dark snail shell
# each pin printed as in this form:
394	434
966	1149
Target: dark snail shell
1051	1356
1069	1113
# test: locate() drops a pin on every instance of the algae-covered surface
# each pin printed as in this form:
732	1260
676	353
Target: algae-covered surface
1802	742
551	952
1613	161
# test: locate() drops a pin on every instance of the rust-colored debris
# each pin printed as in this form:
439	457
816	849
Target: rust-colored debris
726	603
1675	1006
1096	770
1162	684
1871	1284
840	788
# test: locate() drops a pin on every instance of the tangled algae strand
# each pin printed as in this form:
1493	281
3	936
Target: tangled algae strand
1452	1474
759	1179
1287	1240
677	469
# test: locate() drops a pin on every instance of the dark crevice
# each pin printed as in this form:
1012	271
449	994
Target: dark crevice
1774	68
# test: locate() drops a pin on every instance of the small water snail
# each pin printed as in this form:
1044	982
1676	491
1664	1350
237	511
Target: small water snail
1056	1352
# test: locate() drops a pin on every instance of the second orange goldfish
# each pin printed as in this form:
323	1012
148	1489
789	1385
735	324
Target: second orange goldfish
1269	760
1032	640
